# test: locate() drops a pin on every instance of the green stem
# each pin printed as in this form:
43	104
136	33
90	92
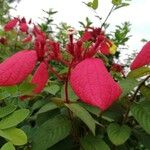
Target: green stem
107	16
66	84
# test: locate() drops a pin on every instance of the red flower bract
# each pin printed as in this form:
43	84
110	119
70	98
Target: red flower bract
40	77
17	67
11	24
143	58
91	81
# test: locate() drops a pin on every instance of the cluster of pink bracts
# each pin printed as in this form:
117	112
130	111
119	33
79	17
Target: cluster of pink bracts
89	77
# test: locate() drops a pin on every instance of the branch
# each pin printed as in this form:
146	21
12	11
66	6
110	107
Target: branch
108	16
55	73
133	98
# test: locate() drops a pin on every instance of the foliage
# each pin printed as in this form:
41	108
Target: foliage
61	88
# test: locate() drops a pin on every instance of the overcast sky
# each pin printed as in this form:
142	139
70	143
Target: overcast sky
73	11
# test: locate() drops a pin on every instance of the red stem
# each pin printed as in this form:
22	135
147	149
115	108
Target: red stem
55	72
66	63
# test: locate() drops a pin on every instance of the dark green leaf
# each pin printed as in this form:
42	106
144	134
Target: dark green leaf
4	111
93	143
118	134
94	110
51	132
128	85
84	115
145	90
141	112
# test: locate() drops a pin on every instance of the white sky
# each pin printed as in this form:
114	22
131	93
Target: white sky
73	11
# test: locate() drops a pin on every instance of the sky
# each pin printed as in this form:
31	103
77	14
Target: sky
73	11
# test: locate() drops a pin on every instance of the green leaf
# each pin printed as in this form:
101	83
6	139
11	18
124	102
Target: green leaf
14	135
114	113
4	111
128	85
93	143
12	90
47	107
145	90
94	110
8	146
51	132
84	115
140	72
122	5
52	89
116	2
118	134
25	88
141	113
95	4
14	119
143	137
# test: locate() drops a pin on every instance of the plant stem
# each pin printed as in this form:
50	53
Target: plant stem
133	98
66	84
55	72
111	10
64	62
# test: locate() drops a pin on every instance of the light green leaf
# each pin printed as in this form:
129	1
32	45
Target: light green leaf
140	72
12	90
141	112
51	132
122	5
25	88
8	146
52	89
14	135
116	2
14	119
118	134
84	115
4	111
95	4
93	143
127	85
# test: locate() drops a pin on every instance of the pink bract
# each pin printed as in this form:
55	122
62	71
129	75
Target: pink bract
143	58
40	78
17	67
94	85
